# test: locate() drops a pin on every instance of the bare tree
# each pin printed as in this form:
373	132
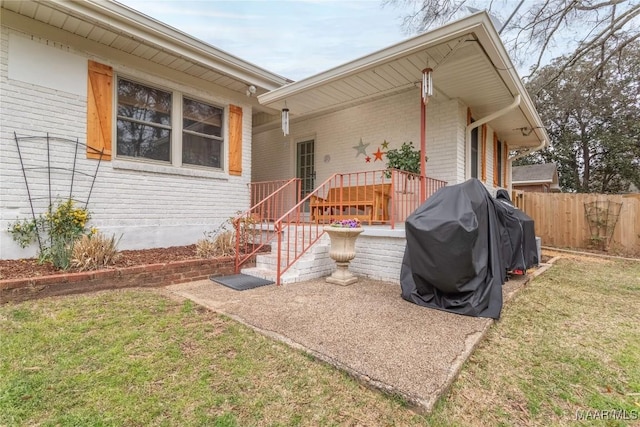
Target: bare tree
581	28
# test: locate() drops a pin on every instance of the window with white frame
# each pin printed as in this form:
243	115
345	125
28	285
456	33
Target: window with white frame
201	134
154	123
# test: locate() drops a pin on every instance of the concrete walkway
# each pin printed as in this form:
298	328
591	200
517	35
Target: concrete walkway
366	329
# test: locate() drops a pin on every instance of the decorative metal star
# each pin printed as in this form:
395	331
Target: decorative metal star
367	159
378	154
385	144
361	148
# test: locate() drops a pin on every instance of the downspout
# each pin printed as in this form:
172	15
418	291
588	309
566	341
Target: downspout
543	144
480	122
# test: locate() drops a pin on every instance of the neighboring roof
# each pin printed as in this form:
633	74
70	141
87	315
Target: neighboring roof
470	63
124	29
534	174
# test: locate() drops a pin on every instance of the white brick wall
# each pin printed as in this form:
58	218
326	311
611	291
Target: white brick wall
394	118
150	208
380	257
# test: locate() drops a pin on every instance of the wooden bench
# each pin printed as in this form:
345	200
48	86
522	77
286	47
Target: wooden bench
372	200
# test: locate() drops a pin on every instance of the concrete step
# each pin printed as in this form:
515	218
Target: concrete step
287	277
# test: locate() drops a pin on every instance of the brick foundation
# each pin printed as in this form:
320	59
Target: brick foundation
153	275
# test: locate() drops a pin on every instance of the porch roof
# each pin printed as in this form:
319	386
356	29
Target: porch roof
469	63
127	31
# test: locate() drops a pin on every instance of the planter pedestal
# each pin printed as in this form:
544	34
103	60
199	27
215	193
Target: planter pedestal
343	250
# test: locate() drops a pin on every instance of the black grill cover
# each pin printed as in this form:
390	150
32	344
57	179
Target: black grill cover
522	251
454	260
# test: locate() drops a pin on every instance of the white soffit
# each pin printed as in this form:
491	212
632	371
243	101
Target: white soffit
117	26
469	62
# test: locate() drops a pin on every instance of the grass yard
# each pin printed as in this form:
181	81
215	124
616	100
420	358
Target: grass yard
567	347
568	344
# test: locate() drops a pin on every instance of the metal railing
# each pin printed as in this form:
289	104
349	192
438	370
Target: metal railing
375	197
406	194
263	189
254	228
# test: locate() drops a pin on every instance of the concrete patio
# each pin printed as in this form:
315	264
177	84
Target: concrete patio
365	329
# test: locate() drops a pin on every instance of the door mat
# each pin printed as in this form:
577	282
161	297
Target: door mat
241	282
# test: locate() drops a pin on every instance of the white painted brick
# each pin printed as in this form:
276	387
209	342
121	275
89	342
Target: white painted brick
147	209
395	119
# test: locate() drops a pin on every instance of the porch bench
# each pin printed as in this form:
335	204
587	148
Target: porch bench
371	199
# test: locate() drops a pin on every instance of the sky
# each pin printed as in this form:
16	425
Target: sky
295	38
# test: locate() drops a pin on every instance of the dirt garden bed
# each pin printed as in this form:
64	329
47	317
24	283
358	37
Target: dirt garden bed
25	268
27	279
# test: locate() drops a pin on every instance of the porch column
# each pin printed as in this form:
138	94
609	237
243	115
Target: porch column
423	147
426	92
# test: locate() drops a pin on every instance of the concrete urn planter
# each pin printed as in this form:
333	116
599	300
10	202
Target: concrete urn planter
343	250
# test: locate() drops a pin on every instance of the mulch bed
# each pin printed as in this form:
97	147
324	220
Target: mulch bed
24	268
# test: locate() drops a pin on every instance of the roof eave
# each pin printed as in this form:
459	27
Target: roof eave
478	24
533	182
403	48
137	25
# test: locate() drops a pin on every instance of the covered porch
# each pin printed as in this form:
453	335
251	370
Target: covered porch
452	91
291	222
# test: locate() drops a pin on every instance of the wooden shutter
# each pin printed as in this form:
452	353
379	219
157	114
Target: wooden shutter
99	110
235	140
505	158
483	154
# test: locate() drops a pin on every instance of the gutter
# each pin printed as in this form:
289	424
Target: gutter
533	182
526	152
480	122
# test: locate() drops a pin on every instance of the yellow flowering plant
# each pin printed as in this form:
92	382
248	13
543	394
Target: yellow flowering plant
56	231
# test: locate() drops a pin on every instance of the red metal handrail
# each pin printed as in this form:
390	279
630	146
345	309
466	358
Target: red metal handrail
253	228
263	189
406	194
383	197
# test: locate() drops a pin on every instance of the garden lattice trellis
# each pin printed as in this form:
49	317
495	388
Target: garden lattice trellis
59	180
602	217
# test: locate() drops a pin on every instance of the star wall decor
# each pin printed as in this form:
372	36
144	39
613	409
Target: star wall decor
361	148
385	144
367	159
378	155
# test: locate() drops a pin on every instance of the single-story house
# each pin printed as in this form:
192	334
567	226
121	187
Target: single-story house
183	129
541	178
172	114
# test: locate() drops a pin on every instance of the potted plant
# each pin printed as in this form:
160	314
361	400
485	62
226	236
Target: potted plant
343	235
406	159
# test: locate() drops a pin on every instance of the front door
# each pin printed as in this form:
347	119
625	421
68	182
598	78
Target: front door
305	167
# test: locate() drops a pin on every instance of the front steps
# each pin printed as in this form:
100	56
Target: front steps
312	264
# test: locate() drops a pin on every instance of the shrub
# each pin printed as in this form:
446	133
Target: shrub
56	231
216	244
94	251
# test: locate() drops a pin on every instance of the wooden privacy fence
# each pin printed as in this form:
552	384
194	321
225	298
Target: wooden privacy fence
561	220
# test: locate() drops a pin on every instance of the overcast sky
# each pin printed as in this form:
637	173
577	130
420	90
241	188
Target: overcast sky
295	39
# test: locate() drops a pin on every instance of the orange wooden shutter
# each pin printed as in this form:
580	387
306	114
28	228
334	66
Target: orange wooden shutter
468	116
496	155
505	157
484	153
99	110
235	140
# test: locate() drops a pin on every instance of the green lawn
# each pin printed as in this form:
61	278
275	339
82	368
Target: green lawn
568	346
569	342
